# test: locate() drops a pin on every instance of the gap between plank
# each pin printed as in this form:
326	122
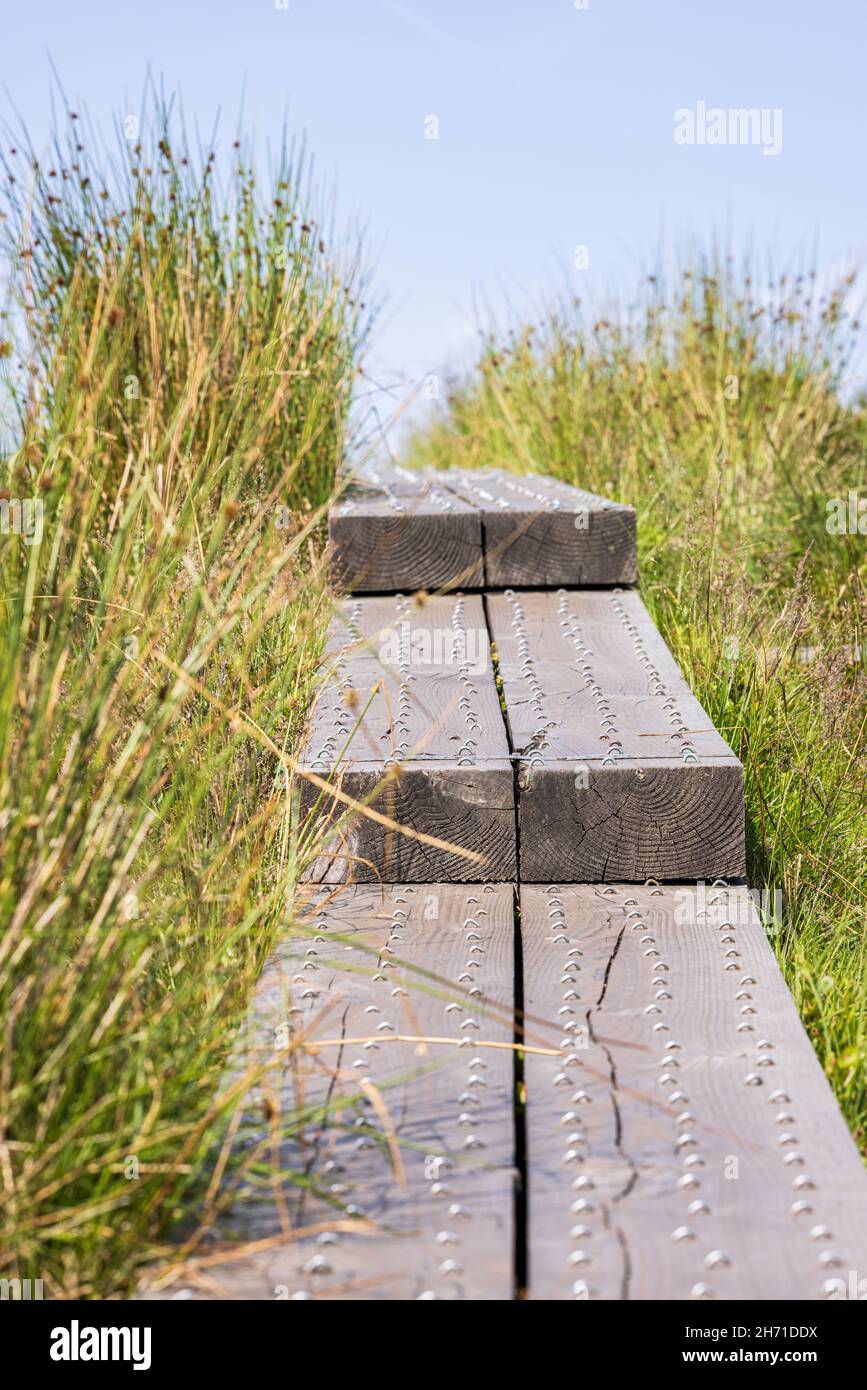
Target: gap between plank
460	587
521	1242
521	1233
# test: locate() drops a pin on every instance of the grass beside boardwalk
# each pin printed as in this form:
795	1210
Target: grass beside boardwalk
181	362
713	407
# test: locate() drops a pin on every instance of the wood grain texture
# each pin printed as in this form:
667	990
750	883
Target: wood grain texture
631	822
395	530
430	665
622	775
540	531
470	808
416	961
687	1145
408	720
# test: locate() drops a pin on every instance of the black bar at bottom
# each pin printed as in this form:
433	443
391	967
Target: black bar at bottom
273	1341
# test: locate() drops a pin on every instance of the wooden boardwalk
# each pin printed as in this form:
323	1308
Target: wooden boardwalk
694	1148
485	529
526	1041
405	1140
622	774
410	722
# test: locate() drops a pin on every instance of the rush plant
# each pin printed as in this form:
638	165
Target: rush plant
179	348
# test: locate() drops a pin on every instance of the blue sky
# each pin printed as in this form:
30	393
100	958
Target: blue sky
556	130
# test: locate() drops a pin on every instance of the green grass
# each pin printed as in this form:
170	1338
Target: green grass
180	363
713	405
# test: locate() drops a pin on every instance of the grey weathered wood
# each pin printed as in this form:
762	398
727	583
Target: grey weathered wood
409	716
471	809
622	774
540	531
379	964
681	1140
395	530
687	1079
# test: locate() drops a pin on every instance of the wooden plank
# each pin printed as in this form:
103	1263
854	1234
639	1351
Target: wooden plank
395	530
540	531
622	775
687	1144
409	721
427	961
